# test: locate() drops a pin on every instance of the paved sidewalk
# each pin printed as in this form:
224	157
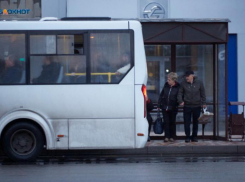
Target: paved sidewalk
200	147
158	147
201	142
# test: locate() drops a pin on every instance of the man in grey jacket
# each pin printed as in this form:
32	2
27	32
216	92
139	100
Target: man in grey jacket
192	96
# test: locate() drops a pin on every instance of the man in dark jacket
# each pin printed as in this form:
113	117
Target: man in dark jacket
50	72
12	73
192	96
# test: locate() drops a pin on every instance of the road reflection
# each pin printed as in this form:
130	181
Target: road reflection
48	160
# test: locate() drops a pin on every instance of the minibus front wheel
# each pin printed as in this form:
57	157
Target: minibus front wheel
23	141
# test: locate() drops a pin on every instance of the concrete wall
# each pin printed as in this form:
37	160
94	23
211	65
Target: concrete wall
234	10
106	8
54	8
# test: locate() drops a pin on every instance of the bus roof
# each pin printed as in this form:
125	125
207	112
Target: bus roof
65	25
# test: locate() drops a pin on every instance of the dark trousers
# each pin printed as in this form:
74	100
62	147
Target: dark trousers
149	128
169	118
149	119
195	113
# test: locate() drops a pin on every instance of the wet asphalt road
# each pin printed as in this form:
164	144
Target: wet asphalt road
126	168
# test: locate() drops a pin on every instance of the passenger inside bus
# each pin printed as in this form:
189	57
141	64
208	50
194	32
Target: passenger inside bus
51	71
15	42
103	68
77	68
124	65
12	72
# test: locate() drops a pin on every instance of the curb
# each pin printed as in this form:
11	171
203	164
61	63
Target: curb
152	150
156	150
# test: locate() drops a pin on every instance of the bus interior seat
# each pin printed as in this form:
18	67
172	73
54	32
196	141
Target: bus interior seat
81	79
23	77
60	75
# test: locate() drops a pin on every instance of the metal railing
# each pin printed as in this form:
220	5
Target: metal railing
109	74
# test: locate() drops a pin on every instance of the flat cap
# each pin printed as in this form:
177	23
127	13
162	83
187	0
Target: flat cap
189	72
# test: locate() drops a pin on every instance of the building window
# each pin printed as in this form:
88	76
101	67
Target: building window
158	65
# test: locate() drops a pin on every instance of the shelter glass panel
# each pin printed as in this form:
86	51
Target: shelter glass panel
158	65
221	94
198	58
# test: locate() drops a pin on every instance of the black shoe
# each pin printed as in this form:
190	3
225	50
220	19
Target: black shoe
149	139
194	140
187	140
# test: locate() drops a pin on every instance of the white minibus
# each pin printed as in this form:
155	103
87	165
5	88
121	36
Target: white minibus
71	84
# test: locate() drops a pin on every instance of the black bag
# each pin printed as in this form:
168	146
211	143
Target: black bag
158	125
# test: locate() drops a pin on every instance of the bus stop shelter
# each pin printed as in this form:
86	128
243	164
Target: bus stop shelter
200	45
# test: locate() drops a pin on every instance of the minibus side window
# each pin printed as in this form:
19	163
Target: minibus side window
58	69
109	57
70	44
12	59
64	63
43	44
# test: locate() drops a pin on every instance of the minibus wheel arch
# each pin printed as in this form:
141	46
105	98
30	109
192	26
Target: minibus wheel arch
33	117
31	137
23	120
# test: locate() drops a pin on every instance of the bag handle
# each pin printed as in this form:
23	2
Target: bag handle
205	111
